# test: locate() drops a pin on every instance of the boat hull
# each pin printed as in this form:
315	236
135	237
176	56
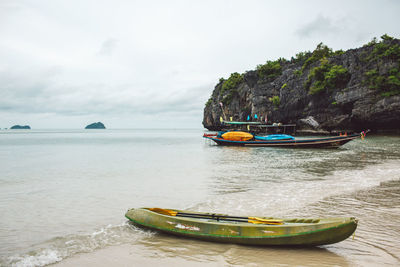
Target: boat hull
328	142
291	233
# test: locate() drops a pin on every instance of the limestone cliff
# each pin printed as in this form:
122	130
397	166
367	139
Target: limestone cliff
352	90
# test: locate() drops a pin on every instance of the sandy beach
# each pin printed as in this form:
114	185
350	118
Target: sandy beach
128	255
217	255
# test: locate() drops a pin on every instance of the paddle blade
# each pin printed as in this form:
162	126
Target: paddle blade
257	220
164	211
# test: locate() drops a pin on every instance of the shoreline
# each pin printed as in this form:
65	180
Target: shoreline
129	255
177	252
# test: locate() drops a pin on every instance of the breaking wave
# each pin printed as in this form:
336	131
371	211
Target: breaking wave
59	248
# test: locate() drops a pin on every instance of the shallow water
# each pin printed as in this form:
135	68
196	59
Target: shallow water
65	192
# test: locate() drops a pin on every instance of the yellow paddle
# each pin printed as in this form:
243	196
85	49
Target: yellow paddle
255	220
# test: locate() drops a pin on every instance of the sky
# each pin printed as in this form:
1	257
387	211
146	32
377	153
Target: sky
153	64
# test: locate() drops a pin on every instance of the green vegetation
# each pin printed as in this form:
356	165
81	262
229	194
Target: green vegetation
384	49
386	37
337	77
385	81
233	81
209	102
322	51
270	70
284	86
338	52
301	57
388	84
307	58
282	60
229	87
298	72
275	100
373	42
326	77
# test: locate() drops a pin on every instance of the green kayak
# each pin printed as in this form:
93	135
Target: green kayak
244	230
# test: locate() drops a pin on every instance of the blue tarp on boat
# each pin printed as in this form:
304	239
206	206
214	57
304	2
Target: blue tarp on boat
275	137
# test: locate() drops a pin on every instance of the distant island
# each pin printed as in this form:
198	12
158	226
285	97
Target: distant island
19	127
95	125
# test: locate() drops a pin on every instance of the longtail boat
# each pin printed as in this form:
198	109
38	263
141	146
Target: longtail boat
244	230
321	142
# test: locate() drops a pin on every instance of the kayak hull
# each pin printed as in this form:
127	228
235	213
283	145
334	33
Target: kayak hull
294	232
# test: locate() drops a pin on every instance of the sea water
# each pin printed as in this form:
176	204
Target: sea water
65	192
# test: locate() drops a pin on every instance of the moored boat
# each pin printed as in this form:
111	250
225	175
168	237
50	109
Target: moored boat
321	142
245	230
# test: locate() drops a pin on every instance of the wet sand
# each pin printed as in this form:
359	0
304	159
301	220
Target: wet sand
218	255
127	255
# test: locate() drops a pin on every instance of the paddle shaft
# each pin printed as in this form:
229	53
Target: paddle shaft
217	218
230	218
213	216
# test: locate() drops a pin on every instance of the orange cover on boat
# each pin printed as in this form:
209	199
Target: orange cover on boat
237	136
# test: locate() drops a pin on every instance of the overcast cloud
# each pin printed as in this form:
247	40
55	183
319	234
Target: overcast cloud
130	64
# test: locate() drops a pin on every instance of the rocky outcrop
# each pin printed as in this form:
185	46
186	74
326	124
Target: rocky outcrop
96	125
309	123
363	100
19	127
